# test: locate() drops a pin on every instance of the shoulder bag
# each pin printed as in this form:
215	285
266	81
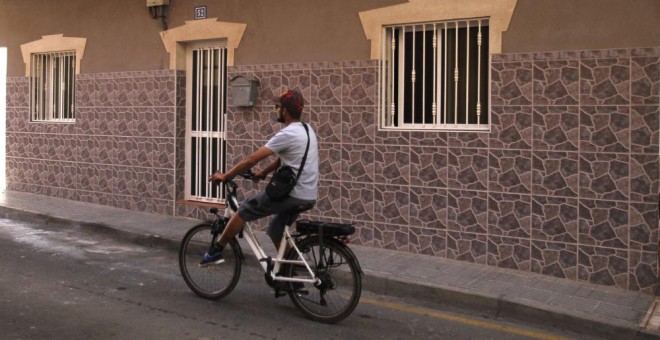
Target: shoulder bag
284	178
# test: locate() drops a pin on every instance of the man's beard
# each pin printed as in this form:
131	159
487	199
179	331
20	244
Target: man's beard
280	118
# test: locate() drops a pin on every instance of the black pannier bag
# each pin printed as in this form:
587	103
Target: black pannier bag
307	227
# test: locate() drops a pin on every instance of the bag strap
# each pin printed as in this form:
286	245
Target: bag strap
305	155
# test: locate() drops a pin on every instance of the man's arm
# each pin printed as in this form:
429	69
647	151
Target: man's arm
259	175
245	164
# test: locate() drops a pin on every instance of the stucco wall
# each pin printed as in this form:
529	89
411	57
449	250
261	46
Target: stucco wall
550	25
123	37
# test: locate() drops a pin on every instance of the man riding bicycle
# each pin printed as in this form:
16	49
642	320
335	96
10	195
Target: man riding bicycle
289	145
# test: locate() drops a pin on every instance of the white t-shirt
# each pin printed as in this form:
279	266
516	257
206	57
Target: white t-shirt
289	145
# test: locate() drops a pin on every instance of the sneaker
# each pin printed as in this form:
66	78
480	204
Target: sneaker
213	256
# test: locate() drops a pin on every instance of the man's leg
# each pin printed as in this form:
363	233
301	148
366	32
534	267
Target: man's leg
276	227
214	254
232	228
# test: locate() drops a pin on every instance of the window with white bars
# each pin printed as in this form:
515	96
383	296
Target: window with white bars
435	76
52	87
205	123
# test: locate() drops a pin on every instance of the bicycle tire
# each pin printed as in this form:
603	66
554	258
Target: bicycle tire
342	295
214	281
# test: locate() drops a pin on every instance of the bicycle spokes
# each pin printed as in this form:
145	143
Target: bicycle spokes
338	286
212	281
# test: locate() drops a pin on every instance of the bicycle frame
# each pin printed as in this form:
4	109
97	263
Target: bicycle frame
273	265
328	292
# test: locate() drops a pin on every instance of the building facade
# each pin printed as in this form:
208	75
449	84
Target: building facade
559	174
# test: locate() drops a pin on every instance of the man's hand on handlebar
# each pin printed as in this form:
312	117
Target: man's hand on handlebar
218	177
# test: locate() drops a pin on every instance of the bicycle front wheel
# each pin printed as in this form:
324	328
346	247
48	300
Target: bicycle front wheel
212	281
340	287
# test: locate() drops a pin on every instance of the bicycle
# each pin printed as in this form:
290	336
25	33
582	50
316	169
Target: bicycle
319	272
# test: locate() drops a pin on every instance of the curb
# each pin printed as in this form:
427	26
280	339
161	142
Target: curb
506	307
147	240
502	306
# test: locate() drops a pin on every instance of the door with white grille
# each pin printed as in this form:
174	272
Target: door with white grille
205	119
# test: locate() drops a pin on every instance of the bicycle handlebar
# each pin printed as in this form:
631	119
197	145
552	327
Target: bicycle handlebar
248	174
231	186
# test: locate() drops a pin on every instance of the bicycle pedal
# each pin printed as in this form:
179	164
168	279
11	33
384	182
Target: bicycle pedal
210	264
301	292
279	292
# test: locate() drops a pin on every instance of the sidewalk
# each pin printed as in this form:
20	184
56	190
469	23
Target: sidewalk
579	306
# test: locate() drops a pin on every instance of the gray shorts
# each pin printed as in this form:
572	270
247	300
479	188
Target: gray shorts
286	211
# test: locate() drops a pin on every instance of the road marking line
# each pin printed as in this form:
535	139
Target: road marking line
458	319
652	318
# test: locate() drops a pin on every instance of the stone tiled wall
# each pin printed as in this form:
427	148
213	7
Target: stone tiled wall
564	184
580	155
119	152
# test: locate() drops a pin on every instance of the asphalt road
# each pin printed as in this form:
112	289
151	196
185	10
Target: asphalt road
69	284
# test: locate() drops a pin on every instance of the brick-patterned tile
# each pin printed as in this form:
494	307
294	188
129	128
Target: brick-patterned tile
392	165
604	266
509	215
555	173
645	129
555	219
428	207
510	171
511	83
357	201
604	176
643	272
467	211
358	125
556	128
392	204
358	163
604	129
554	259
467	169
467	247
604	223
605	81
428	166
645	80
509	252
511	127
428	241
644	226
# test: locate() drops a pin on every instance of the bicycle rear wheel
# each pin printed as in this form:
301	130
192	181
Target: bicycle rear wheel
339	292
212	281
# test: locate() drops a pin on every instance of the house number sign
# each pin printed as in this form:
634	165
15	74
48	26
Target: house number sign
200	12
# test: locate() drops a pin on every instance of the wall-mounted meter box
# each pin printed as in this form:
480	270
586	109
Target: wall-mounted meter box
152	3
243	91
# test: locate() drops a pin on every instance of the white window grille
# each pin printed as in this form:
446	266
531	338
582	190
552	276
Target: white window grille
436	76
52	87
205	123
